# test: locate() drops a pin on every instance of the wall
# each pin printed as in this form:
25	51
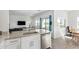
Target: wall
59	32
15	18
4	20
72	18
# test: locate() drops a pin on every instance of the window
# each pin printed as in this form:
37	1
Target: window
61	22
77	22
45	23
37	24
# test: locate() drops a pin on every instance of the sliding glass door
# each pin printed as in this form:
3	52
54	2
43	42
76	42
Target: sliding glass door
44	23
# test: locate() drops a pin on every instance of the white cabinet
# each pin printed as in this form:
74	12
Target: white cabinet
1	43
46	41
31	42
12	43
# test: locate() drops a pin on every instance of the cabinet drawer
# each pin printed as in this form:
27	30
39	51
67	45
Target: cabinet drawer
2	45
11	41
12	46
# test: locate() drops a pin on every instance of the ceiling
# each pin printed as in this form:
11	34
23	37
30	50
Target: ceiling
25	12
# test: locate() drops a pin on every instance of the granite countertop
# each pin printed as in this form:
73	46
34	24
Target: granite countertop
21	34
18	34
4	36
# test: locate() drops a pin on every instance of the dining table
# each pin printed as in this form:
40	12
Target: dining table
75	36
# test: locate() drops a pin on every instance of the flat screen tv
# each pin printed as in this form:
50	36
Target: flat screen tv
21	23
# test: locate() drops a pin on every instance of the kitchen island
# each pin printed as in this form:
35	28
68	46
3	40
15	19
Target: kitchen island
34	39
20	40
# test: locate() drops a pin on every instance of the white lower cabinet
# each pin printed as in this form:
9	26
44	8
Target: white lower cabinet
31	42
1	43
28	42
12	43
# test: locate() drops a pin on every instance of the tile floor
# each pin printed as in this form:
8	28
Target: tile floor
61	43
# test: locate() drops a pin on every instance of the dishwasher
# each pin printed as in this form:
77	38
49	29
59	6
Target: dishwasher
46	41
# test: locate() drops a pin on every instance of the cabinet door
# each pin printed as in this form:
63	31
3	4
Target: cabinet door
1	43
12	43
30	42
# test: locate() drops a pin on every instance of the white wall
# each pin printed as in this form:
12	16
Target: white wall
59	32
4	20
14	18
72	18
